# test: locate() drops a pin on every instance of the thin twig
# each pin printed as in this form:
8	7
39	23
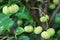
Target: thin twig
46	5
54	13
32	12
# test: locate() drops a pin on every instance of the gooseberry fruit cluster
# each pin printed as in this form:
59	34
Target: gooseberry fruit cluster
47	34
38	30
44	18
28	28
11	9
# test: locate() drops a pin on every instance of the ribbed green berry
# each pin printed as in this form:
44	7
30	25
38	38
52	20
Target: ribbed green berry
52	6
51	31
13	8
45	35
38	30
43	19
5	10
28	28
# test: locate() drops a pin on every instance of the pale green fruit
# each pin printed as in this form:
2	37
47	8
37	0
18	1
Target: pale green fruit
5	10
52	6
47	17
27	0
51	31
19	22
28	28
56	2
14	8
45	35
38	30
39	0
43	19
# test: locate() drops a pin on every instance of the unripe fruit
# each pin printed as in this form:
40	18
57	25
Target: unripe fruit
27	0
47	17
19	22
52	6
56	2
38	30
45	35
51	31
28	28
43	19
13	8
39	0
5	10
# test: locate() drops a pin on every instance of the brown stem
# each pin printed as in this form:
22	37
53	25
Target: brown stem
32	12
46	5
41	14
54	13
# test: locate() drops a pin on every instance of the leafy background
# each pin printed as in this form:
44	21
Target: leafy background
9	29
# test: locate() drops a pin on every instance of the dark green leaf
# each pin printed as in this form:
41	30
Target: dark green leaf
10	38
23	38
19	30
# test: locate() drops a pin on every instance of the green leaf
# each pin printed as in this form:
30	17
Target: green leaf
5	22
19	30
58	32
10	38
23	16
57	18
23	13
23	38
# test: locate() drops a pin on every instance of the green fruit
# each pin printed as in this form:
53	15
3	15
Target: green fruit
39	0
38	30
51	31
5	10
56	2
27	0
28	28
19	22
47	17
52	6
45	35
43	19
14	8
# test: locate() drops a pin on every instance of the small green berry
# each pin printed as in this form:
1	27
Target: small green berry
13	8
38	30
51	31
5	10
43	19
28	28
19	22
45	35
52	6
